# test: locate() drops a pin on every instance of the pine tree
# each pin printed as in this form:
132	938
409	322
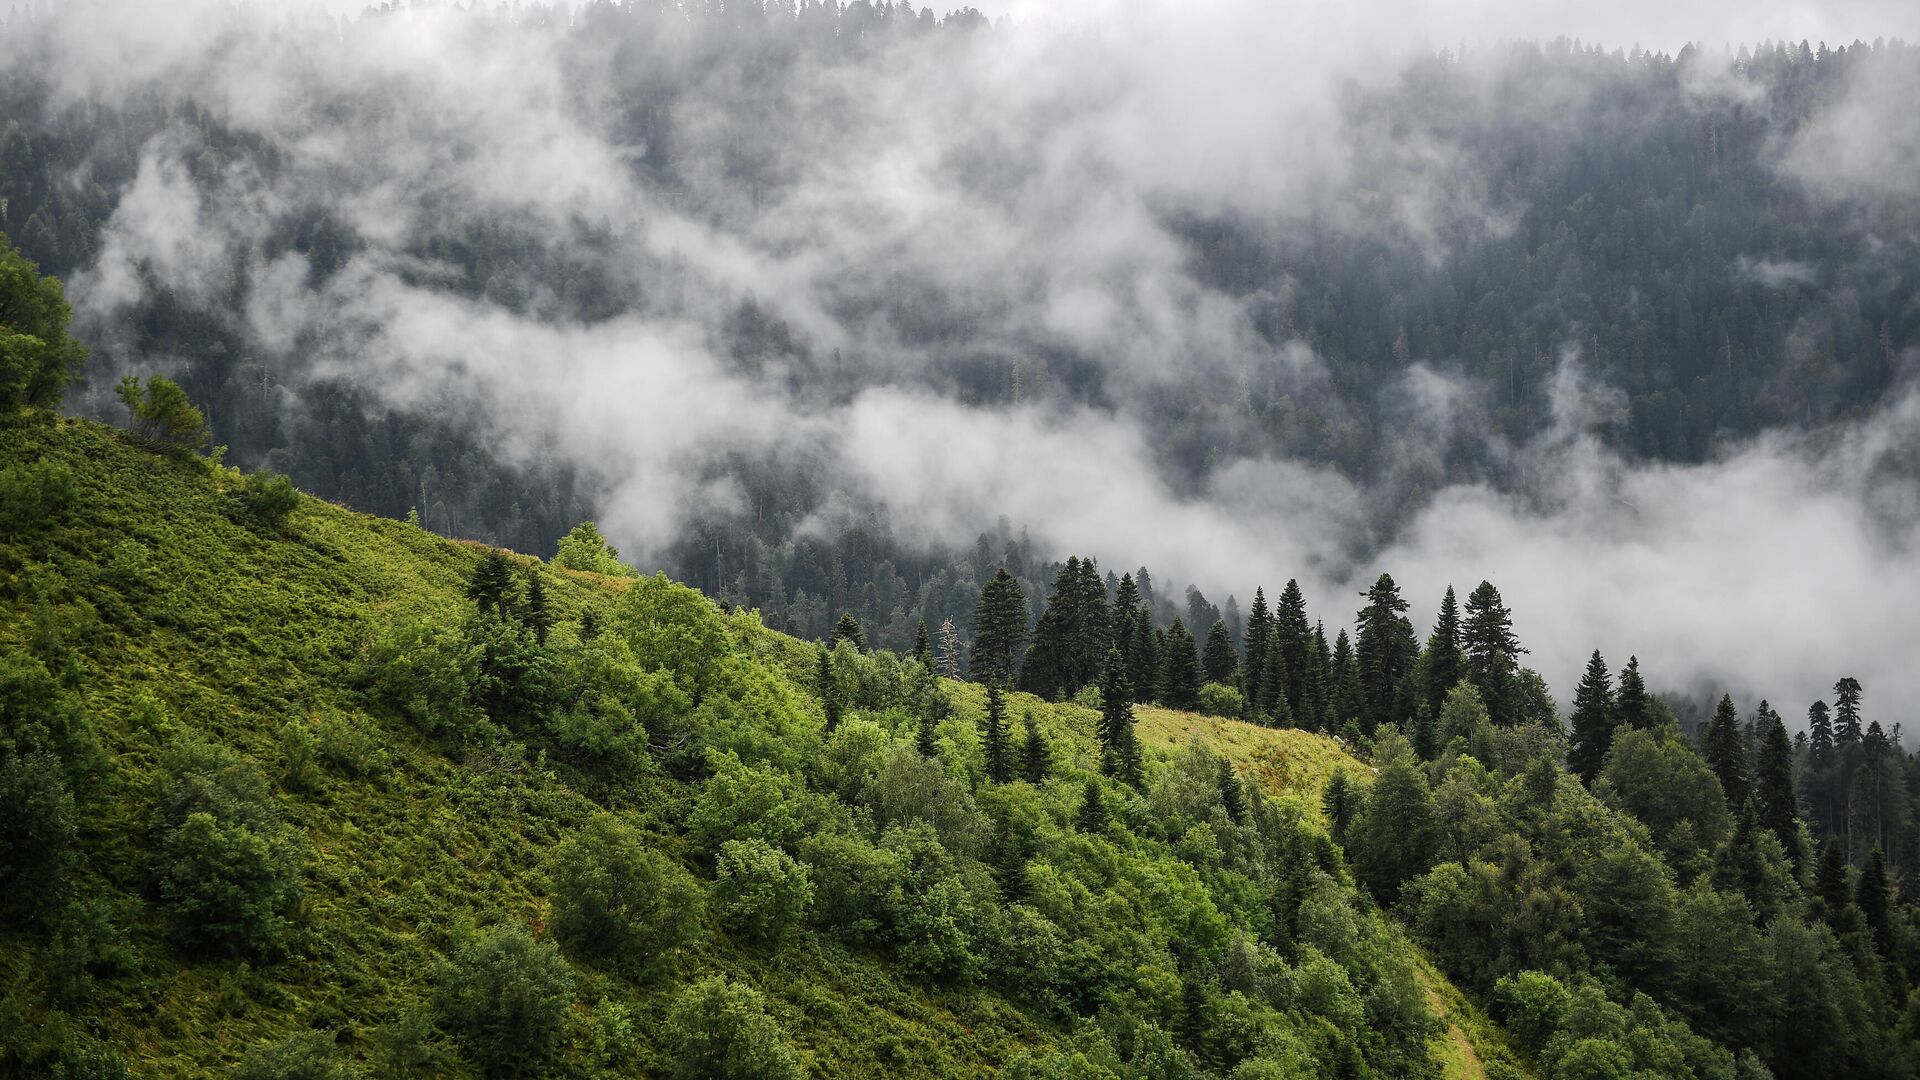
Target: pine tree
994	737
1593	720
1349	697
926	739
1492	652
1631	706
1773	785
1036	757
1221	663
1119	747
1274	707
1180	669
1425	737
1820	735
922	645
848	629
1446	665
1340	802
1315	711
1832	883
1195	1024
589	625
1846	709
1386	651
1092	817
999	630
491	586
1073	634
1726	753
1870	896
1293	638
538	617
1232	799
828	688
1259	637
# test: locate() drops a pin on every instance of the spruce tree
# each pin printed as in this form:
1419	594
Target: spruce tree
999	630
923	645
1180	669
1832	882
491	586
1871	897
1593	720
1036	757
1773	785
1340	802
926	739
1846	709
1220	662
1492	652
1726	753
828	688
1119	747
1258	634
1092	817
1232	799
1446	665
848	629
1349	697
1274	707
1820	735
589	625
994	737
1631	706
1143	660
1386	652
1073	634
539	618
1293	637
1315	711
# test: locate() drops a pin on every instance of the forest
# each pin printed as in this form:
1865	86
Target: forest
293	791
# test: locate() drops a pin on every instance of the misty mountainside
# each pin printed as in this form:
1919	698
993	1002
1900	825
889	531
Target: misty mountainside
841	308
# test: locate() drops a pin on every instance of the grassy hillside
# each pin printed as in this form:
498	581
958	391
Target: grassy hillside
173	616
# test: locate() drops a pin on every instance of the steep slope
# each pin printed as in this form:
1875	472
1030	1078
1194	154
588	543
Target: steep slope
425	793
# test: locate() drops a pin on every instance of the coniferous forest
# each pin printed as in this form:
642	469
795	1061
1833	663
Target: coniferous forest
595	541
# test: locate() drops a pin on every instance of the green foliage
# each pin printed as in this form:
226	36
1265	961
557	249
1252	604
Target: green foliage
760	890
585	549
506	998
269	498
616	898
38	826
720	1030
310	1055
1218	699
32	495
161	414
37	357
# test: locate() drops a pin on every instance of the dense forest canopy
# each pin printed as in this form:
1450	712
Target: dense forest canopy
841	308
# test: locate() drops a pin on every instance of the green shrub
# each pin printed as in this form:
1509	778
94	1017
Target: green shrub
299	751
86	944
351	743
615	897
1219	699
585	549
31	495
719	1030
1533	1006
37	830
761	890
37	358
269	498
309	1055
505	998
161	413
130	566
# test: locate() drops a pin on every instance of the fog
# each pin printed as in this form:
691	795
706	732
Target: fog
1025	180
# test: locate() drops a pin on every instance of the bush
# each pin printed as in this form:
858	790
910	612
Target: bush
37	830
614	897
85	944
585	549
506	998
161	413
299	751
761	890
307	1056
269	498
1219	699
227	869
1533	1006
30	495
721	1031
351	743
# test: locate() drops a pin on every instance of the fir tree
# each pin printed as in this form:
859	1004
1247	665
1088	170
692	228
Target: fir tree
848	629
926	739
999	630
1425	737
1870	896
1631	706
1340	802
1232	799
1293	637
1143	660
1119	747
1072	636
828	688
1315	711
1492	651
538	617
994	737
1726	753
491	586
1180	669
1820	735
1386	652
1593	720
1846	709
1273	703
1036	756
1349	697
1446	665
1773	785
923	645
589	625
1832	883
1259	637
1221	662
1092	817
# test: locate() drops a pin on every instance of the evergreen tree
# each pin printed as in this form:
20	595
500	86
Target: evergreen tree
1339	802
1036	756
1631	706
1726	753
1143	660
1833	885
491	586
1232	799
999	630
538	617
1393	836
1274	707
589	625
828	688
1593	720
848	629
1092	817
1846	708
1492	652
923	645
1119	747
1293	637
1425	736
1386	651
1446	665
1315	712
1348	700
1773	785
1259	636
1180	669
1820	735
1870	896
1073	634
926	739
1221	662
995	738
